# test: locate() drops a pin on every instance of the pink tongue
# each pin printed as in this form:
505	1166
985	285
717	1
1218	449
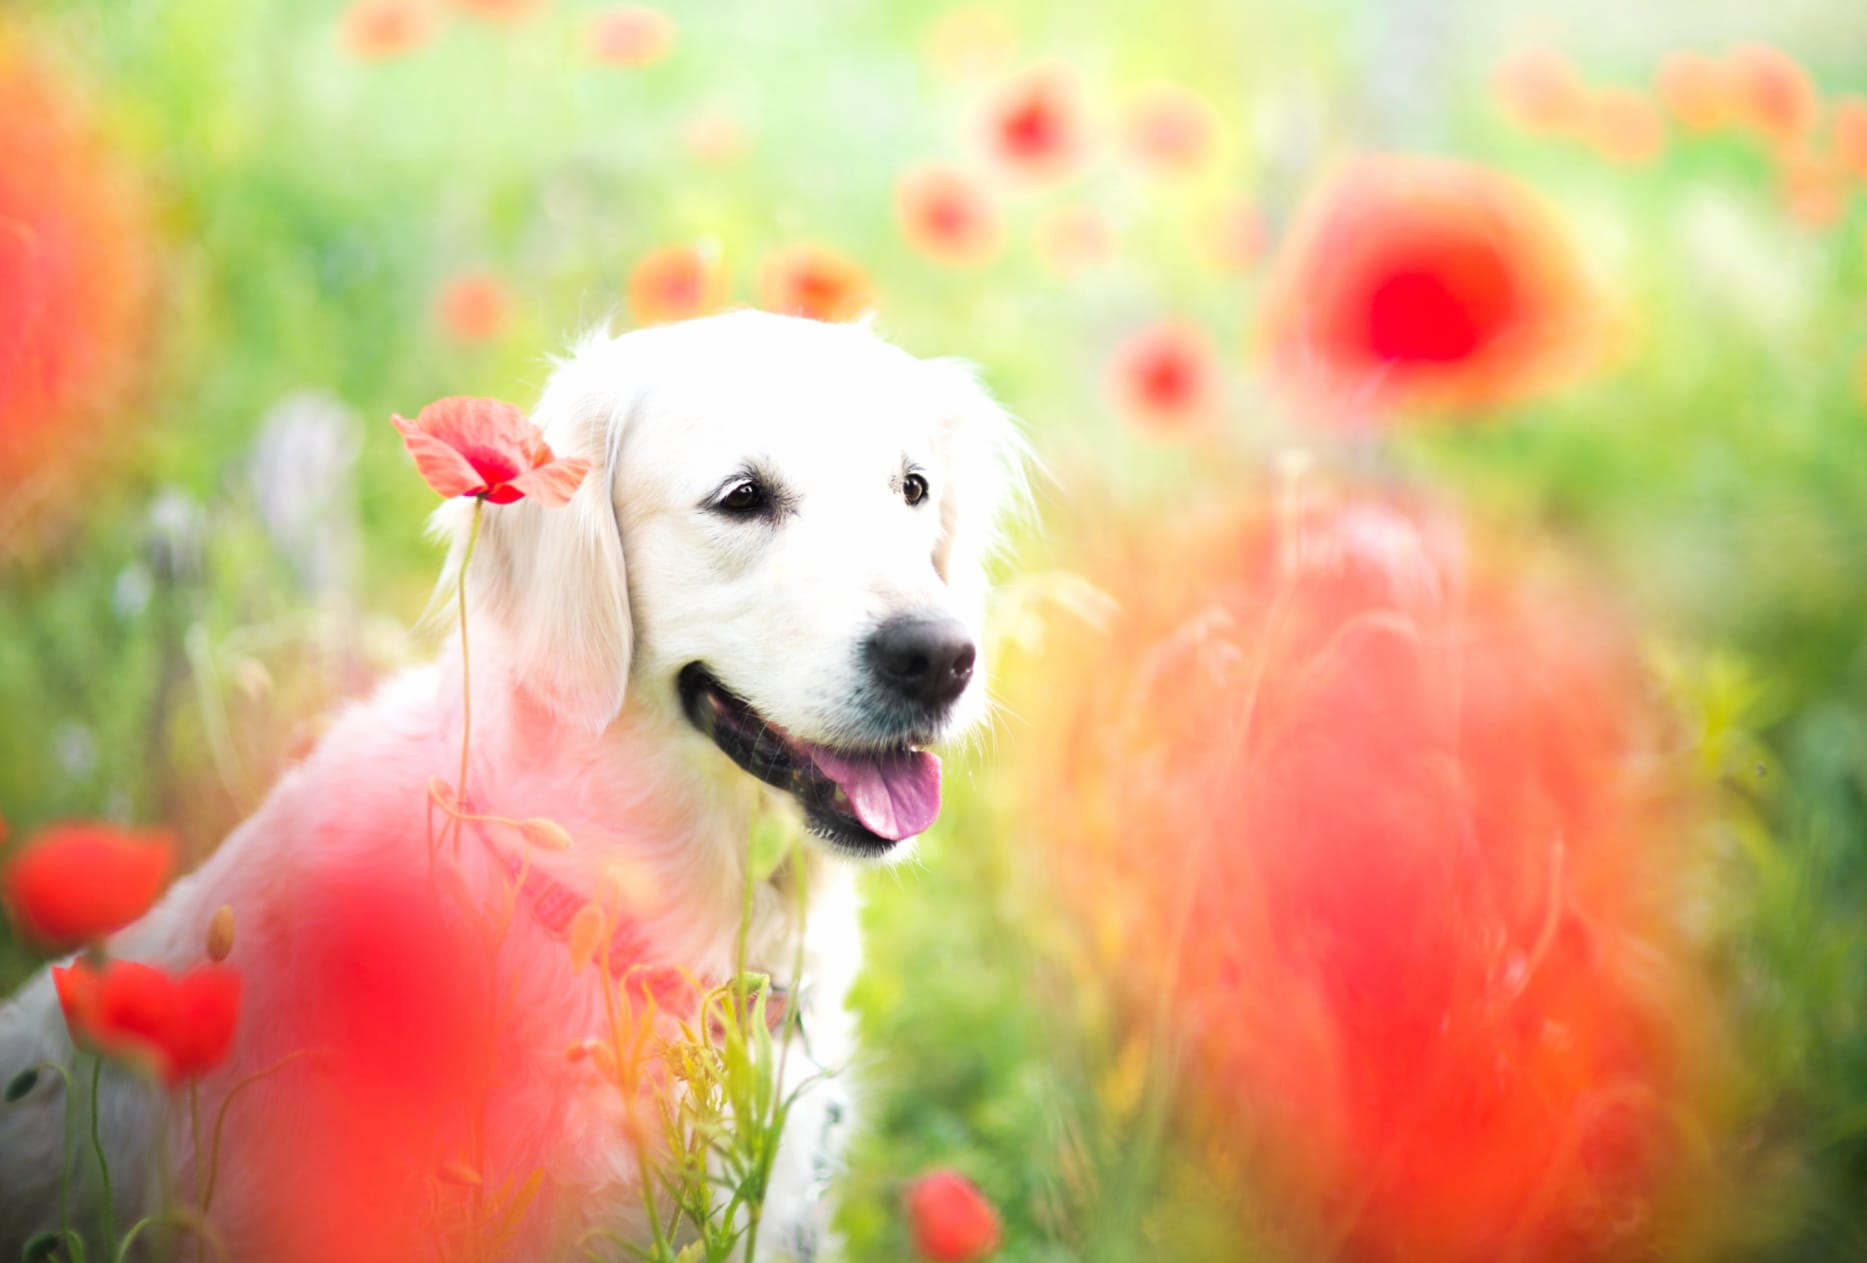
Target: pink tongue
895	796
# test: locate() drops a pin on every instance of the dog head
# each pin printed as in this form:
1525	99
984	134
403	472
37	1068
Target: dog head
781	545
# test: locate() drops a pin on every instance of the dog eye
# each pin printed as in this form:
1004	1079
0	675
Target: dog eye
743	499
914	488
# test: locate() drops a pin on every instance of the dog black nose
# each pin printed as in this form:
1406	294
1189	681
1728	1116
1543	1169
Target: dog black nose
922	659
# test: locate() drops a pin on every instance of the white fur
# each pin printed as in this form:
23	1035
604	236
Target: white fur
582	618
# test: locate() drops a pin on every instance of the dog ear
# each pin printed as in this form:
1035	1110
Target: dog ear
552	581
986	481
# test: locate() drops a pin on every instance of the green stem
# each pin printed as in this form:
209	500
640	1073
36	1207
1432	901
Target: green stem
220	1122
466	676
103	1163
194	1123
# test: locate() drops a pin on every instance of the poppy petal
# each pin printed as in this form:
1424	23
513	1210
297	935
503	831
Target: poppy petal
553	483
444	469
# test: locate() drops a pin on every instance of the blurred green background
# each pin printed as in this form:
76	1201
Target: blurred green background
232	542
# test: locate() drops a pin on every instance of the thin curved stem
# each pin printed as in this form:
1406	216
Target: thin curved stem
103	1163
220	1122
466	673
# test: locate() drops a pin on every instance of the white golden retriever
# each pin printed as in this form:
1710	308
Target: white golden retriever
767	595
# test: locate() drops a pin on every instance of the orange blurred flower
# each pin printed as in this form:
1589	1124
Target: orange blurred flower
1035	124
1697	91
1239	236
76	274
488	449
945	214
1850	136
1624	126
1167	375
1170	128
1814	187
472	307
969	40
951	1220
375	30
715	137
1424	279
180	1027
1380	818
632	35
676	283
77	883
1540	91
504	11
1073	237
804	279
1774	94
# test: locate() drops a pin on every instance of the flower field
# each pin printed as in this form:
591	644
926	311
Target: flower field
1424	814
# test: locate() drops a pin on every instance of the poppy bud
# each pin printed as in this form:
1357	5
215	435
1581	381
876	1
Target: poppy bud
220	934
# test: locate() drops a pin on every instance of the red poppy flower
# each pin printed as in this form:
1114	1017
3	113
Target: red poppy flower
946	215
1073	237
630	35
1623	126
1696	90
1774	94
1376	818
811	280
1540	91
375	30
76	278
504	11
1170	129
1166	375
181	1027
1239	237
1035	125
472	307
676	283
77	883
1814	186
950	1218
1850	136
484	448
1415	278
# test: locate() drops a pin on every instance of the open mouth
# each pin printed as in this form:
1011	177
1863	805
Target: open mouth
864	801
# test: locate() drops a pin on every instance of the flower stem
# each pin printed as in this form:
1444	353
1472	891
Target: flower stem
194	1123
466	675
103	1163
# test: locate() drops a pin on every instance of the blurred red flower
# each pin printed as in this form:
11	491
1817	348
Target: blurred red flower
502	10
1239	236
1623	125
1850	136
714	136
180	1027
485	448
1540	91
1073	237
1415	279
1775	96
1035	124
1167	375
676	283
951	1220
1696	90
631	35
76	275
945	214
77	883
472	307
804	279
1170	129
375	30
1813	185
1383	818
